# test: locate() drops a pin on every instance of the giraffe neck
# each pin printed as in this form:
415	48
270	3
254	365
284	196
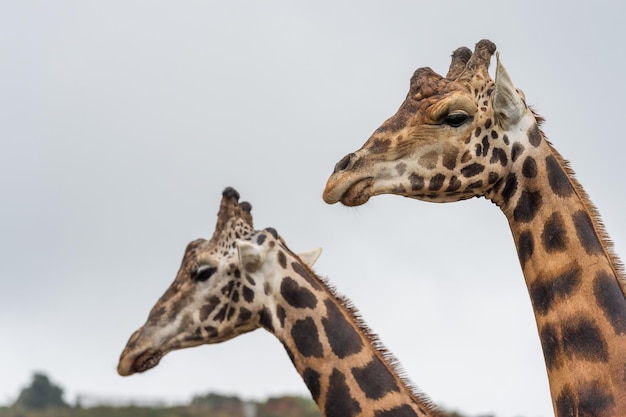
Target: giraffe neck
341	362
575	282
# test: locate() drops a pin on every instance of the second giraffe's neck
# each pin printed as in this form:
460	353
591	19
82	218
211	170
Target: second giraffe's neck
574	281
337	357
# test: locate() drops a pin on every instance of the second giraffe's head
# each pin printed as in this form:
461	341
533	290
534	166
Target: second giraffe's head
219	291
453	137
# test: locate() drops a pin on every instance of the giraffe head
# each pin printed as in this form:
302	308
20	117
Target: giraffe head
218	292
451	139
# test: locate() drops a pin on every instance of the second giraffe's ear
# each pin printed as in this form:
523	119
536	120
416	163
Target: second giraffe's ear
507	104
309	257
251	256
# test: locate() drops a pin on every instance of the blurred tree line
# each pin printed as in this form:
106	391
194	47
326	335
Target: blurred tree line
40	394
42	398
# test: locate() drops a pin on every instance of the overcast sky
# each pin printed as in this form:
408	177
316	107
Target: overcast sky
121	123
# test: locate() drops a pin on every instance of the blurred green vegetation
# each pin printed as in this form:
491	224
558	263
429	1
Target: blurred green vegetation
217	406
42	398
40	394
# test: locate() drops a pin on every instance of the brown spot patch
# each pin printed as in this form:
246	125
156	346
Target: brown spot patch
380	146
546	291
510	187
583	339
534	136
525	247
557	178
342	337
566	403
296	295
551	345
281	314
554	235
454	184
339	401
429	160
244	315
400	411
499	155
436	182
594	399
375	380
417	182
449	158
472	170
529	168
304	273
306	337
312	380
208	308
282	259
611	300
586	233
516	151
527	206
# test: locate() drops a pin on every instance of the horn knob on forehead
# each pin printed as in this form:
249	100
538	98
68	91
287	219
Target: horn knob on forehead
230	209
230	193
479	62
424	83
245	206
246	214
459	59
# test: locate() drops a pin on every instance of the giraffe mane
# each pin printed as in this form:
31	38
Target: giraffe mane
605	241
385	355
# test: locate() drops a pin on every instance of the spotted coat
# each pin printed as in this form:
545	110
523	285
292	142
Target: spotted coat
466	135
243	279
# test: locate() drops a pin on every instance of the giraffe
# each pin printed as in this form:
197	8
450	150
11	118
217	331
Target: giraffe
465	135
243	279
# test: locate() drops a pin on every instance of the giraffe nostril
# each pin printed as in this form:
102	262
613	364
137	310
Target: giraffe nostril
344	163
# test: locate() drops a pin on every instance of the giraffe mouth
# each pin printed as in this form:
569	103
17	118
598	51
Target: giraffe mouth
143	362
357	193
147	360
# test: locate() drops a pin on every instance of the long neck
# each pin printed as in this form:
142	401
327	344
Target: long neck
338	359
574	281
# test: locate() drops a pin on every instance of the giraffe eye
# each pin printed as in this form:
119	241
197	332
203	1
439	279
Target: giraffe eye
202	273
456	119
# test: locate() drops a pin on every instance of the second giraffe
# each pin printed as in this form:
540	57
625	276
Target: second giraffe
466	135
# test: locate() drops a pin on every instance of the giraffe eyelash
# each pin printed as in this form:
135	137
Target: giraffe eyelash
202	273
456	119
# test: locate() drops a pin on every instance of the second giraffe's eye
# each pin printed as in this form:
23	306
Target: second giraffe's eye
202	273
456	119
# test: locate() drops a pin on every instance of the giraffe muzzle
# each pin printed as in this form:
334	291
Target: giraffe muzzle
139	363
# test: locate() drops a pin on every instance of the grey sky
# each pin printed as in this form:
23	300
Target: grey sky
121	122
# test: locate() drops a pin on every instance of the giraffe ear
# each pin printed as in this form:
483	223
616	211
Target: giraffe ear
251	256
507	104
309	257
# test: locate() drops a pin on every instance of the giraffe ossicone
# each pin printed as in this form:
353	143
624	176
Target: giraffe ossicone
243	279
465	135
